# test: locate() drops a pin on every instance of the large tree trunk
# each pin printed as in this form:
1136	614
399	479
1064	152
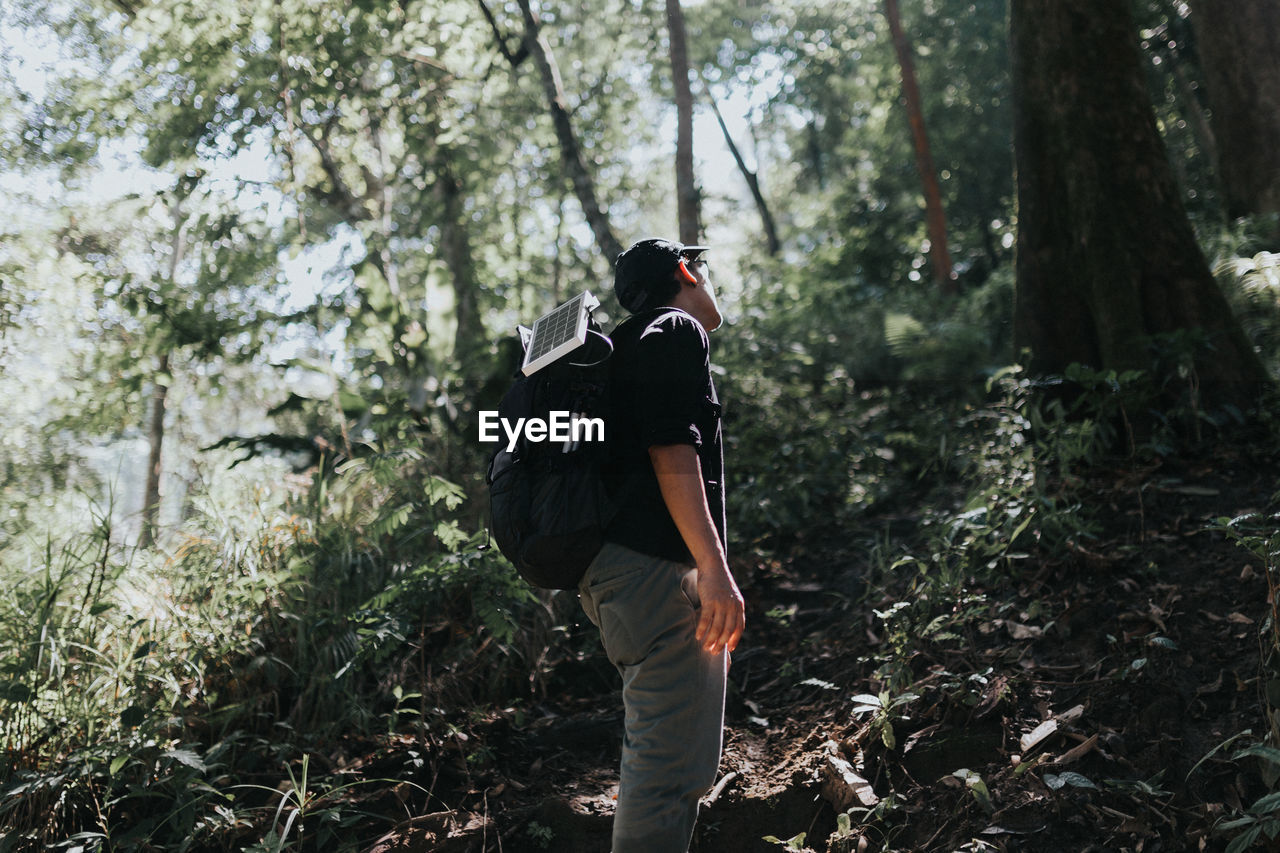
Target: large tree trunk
1239	45
570	152
1106	258
687	196
935	217
155	440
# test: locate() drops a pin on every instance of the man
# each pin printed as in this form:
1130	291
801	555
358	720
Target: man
660	590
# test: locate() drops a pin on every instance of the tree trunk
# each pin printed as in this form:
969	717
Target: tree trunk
687	196
455	249
160	394
773	244
155	439
936	219
1237	41
570	152
1106	258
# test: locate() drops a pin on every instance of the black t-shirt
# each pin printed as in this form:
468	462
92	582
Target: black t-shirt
660	393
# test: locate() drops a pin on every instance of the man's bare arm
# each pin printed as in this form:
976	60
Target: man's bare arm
679	475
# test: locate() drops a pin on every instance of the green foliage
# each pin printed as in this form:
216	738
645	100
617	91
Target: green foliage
150	699
796	842
977	787
541	835
883	709
1020	459
139	688
1262	817
1249	274
845	141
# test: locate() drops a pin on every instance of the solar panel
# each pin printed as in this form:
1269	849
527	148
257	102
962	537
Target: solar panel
558	332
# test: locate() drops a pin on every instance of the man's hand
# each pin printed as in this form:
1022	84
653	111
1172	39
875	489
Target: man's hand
721	619
722	616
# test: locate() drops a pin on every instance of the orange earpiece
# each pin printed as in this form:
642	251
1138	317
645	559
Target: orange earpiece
685	274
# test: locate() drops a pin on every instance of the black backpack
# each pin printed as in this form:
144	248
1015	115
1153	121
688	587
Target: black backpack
548	502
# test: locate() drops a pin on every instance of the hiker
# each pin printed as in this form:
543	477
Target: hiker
660	590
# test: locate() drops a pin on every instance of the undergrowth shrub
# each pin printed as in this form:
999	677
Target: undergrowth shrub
1259	534
1247	266
143	690
1019	459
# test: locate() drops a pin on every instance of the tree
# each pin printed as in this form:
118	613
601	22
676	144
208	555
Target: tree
1107	262
687	196
1237	46
935	215
160	393
773	244
575	165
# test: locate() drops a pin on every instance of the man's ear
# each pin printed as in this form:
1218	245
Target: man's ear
683	272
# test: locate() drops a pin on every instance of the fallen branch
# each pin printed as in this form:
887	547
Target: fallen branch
720	786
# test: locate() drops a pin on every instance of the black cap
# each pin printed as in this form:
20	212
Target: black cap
645	274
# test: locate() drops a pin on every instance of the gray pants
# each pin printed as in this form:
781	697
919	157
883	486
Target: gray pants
672	689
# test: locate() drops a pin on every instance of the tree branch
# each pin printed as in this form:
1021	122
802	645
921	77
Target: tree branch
570	152
753	181
341	195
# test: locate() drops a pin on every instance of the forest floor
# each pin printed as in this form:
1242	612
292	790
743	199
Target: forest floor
1082	705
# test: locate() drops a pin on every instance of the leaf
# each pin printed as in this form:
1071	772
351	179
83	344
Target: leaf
187	757
1225	743
977	787
1195	491
1258	750
440	489
1245	840
1033	738
794	843
901	331
1018	631
116	763
450	535
1074	780
1266	805
867	699
903	700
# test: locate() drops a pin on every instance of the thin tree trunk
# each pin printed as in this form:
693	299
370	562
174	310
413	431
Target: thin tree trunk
1106	258
687	195
774	245
1237	42
455	248
570	152
936	219
557	261
159	396
155	440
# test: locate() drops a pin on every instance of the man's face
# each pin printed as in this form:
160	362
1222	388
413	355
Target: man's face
703	297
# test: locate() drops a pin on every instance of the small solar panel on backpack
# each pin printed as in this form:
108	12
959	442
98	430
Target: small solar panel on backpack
558	332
